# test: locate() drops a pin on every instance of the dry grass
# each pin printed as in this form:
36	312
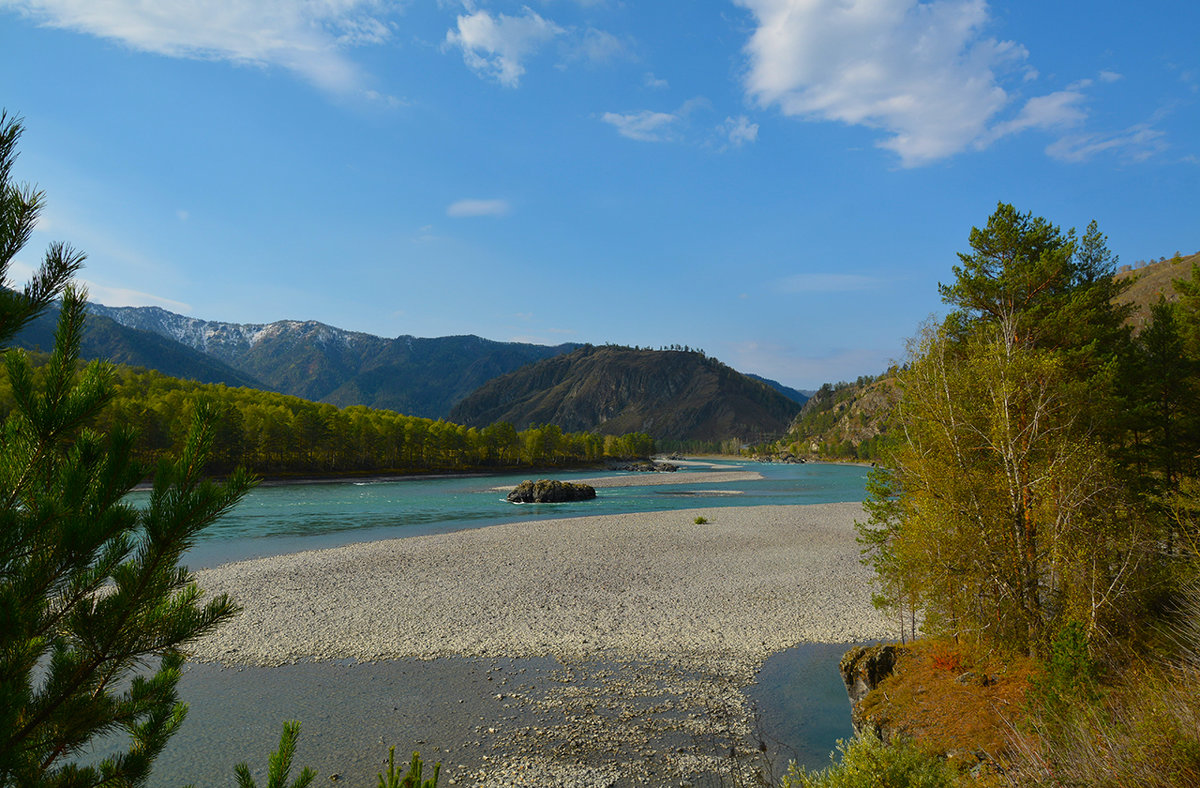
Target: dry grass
1145	732
1153	280
954	703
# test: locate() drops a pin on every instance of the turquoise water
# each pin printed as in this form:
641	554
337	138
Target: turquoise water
289	518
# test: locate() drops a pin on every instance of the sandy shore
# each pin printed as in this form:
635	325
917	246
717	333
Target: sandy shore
653	617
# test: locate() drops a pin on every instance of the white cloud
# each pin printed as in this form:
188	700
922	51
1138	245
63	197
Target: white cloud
304	37
471	208
738	130
21	272
645	126
1136	143
1110	76
923	73
495	46
653	82
650	126
828	283
598	46
792	366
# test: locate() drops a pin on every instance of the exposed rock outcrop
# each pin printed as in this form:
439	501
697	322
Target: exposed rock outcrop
863	668
551	491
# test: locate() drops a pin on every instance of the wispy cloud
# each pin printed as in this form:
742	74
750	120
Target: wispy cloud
496	46
923	73
654	126
829	283
1055	110
307	38
1136	143
598	47
794	366
655	83
469	208
645	125
738	131
123	296
21	272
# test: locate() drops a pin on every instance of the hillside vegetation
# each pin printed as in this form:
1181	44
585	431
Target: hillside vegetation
674	395
277	434
1035	520
1149	281
850	420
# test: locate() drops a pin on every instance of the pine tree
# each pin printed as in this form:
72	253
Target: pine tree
95	609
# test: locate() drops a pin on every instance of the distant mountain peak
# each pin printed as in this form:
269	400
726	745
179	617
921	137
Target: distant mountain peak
310	359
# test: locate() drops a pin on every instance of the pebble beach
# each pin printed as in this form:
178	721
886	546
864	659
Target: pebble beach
656	619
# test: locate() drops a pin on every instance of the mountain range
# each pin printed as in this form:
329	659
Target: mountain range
676	394
305	358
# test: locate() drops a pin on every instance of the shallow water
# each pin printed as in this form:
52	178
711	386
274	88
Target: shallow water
290	518
462	710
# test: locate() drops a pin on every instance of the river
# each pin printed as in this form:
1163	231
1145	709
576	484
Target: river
352	712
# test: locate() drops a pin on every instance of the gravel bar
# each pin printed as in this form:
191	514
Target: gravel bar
658	623
749	582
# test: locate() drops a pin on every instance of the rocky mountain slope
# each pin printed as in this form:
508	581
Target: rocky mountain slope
106	339
844	420
411	375
670	394
1149	280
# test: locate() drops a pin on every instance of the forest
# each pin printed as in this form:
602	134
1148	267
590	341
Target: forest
279	435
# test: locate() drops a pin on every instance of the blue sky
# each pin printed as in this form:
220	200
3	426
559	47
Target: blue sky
782	183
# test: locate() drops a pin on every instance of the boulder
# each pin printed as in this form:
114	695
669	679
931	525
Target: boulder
551	491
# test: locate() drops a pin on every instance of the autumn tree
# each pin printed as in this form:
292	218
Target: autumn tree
1002	516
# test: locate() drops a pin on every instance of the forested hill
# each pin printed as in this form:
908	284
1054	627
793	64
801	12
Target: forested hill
410	375
844	420
673	395
849	420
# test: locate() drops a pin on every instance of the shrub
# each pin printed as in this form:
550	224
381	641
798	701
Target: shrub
866	762
700	520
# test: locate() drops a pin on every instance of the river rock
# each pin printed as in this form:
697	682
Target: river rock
551	491
863	668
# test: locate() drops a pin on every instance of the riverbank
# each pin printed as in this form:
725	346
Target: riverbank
655	626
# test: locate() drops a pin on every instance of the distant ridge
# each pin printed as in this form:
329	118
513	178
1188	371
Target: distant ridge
670	394
787	391
106	339
411	375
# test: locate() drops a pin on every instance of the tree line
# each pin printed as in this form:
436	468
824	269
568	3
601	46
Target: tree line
277	434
